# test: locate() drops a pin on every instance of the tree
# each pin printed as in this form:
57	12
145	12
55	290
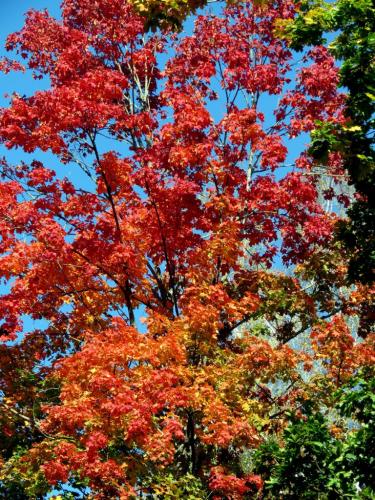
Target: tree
316	463
354	46
190	215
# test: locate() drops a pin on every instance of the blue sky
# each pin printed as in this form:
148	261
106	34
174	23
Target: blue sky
12	15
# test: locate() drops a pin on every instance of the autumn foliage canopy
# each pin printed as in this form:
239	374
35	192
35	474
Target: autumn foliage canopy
172	242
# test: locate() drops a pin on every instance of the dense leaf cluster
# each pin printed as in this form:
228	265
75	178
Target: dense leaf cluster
314	463
354	46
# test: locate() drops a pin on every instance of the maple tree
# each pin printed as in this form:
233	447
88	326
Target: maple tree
192	218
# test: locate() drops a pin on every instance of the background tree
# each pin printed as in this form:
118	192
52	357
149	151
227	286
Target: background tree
316	463
354	46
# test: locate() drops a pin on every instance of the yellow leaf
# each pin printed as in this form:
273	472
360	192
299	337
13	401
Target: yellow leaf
245	407
354	128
